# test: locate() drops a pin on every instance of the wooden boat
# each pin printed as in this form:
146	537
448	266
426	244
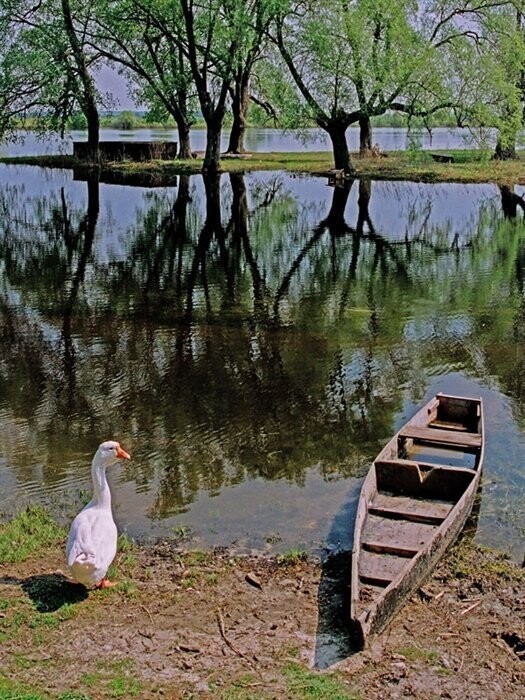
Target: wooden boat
413	504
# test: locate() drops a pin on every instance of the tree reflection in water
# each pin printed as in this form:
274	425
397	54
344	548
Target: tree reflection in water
246	332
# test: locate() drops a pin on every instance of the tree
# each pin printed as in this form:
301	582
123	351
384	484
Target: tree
356	60
213	35
80	81
146	40
485	50
46	72
20	85
255	18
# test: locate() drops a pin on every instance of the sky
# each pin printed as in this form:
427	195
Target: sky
108	80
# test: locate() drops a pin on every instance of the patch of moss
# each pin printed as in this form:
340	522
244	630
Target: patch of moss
13	690
414	653
467	560
292	557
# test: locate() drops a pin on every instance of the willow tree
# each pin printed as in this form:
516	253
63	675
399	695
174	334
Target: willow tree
146	41
19	88
47	71
255	17
485	47
502	67
213	37
357	60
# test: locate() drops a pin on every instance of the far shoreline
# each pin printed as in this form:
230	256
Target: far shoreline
468	166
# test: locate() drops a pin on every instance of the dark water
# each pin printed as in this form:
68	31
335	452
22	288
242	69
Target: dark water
257	139
253	342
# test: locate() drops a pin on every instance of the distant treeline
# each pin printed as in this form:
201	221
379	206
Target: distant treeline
128	120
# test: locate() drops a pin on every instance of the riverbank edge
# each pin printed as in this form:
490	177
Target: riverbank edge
398	165
184	623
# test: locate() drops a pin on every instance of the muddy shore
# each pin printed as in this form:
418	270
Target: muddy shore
196	624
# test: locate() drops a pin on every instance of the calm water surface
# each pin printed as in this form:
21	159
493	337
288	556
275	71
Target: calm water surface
253	342
388	139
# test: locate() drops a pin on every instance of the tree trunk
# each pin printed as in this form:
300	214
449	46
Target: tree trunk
212	157
240	105
184	140
505	152
337	133
363	202
93	125
365	135
87	98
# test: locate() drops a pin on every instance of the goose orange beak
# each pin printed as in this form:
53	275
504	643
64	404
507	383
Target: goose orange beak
122	454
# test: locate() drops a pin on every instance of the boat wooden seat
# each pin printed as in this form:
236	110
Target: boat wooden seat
394	548
417	510
448	425
380	569
409	535
455	438
405	477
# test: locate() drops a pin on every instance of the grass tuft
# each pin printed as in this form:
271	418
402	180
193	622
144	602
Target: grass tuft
292	557
304	684
12	690
28	533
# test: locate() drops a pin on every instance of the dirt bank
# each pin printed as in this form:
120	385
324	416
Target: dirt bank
215	625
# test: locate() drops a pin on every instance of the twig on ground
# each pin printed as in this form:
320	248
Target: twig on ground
229	643
143	607
471	607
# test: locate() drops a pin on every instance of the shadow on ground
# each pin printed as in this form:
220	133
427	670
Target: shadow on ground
48	592
335	640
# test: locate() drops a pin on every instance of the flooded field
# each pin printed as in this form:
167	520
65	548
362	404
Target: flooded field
252	341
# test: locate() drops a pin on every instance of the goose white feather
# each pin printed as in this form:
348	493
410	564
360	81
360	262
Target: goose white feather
92	541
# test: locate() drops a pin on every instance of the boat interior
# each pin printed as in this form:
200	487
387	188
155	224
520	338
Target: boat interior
416	489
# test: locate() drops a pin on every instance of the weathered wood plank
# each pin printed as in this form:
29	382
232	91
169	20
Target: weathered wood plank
382	568
388	548
403	532
444	437
395	514
415	507
420	480
448	425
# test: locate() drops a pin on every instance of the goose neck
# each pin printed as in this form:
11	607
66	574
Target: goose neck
101	492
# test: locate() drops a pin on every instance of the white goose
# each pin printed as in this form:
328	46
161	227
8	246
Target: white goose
92	541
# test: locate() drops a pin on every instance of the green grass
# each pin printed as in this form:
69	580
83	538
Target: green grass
123	687
292	557
465	561
471	165
195	557
30	532
303	684
414	653
13	690
114	679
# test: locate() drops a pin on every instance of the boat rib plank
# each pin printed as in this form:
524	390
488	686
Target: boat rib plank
407	534
444	437
413	508
375	567
448	425
396	514
389	548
